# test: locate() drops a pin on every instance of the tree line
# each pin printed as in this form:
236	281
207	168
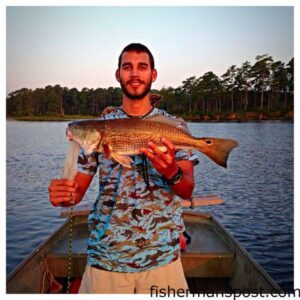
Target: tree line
266	85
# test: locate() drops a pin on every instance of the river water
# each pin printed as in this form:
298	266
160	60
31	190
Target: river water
257	188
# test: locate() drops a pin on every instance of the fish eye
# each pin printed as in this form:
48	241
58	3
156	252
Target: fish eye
208	142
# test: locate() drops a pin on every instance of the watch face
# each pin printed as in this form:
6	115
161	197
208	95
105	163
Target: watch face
176	178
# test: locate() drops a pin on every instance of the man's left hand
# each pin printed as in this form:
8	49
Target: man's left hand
163	162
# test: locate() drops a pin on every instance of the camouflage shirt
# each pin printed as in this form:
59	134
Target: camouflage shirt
132	228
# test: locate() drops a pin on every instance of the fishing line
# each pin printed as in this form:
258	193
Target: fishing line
70	242
69	172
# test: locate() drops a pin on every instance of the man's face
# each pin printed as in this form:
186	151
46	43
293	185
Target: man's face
135	75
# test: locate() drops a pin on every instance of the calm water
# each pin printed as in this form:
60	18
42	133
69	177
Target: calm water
257	188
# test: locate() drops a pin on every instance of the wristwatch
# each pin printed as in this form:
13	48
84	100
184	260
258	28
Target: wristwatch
175	179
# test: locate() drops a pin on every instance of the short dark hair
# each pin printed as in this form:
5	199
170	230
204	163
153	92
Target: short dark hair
137	47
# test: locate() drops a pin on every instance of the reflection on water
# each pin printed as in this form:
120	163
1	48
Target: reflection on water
257	188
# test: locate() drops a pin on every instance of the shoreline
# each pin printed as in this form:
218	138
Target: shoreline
203	119
186	120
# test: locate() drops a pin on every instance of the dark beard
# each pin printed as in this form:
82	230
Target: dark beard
135	97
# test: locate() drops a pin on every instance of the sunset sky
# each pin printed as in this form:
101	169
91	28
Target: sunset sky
79	46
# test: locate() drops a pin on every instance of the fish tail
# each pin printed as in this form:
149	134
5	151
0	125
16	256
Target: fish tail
216	149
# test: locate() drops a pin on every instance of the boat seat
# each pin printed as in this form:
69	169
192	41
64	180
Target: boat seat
207	256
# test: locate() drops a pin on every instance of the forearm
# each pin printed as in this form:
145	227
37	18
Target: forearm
184	188
83	182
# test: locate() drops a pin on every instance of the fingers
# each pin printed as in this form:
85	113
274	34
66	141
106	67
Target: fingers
62	200
68	195
153	157
66	182
62	192
164	162
169	145
61	188
167	157
62	185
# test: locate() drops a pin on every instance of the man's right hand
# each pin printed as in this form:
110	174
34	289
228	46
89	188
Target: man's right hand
63	192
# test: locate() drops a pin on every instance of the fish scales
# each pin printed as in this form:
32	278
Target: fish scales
128	137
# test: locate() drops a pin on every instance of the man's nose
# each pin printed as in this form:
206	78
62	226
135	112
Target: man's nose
135	72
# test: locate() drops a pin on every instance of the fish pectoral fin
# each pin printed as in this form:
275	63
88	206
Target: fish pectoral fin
107	151
124	160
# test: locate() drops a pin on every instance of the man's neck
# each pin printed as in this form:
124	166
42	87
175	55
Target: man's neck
136	107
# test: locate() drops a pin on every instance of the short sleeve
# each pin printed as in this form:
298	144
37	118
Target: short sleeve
87	164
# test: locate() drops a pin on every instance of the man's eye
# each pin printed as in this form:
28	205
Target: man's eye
126	68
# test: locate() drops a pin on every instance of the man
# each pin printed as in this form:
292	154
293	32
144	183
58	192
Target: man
136	220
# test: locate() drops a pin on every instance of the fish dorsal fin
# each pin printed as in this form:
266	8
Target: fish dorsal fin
175	122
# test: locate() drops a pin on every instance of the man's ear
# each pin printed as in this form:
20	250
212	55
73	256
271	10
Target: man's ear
154	75
118	75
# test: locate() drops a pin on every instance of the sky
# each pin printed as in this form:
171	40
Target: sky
79	46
